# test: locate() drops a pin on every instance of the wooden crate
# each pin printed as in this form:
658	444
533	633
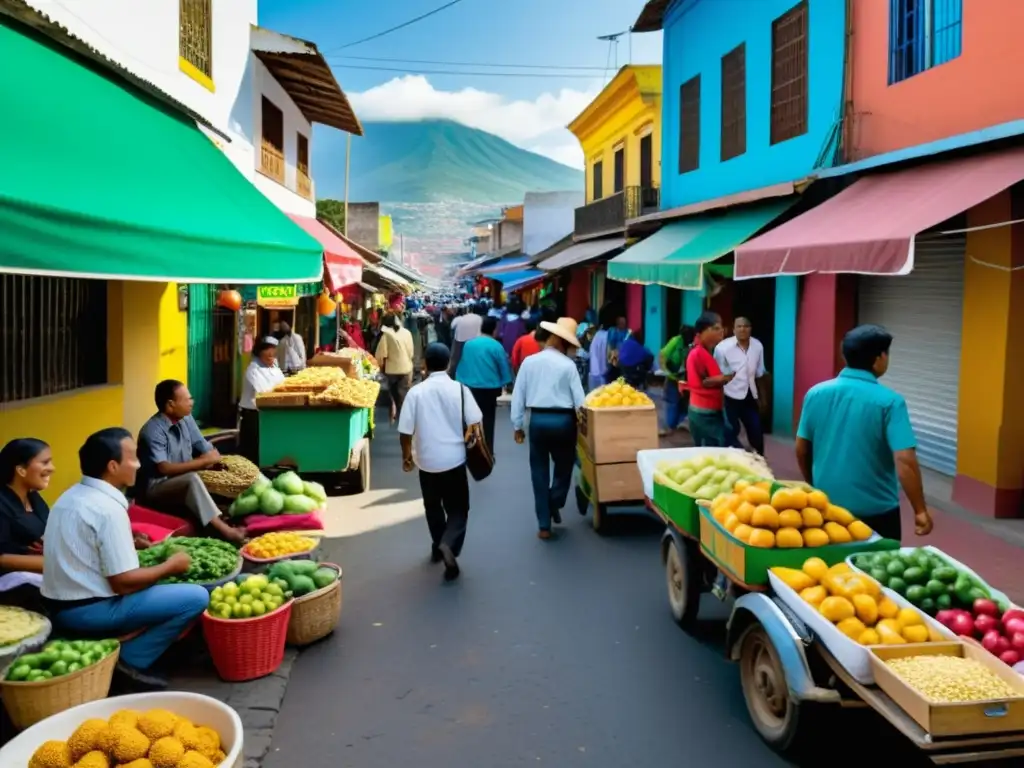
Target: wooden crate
614	435
611	483
283	399
942	720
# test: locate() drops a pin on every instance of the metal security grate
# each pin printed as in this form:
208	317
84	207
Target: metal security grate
689	125
195	34
789	75
734	102
923	34
53	335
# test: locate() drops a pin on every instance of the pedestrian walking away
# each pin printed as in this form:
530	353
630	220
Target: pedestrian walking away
464	328
742	356
548	386
484	368
432	438
395	353
704	381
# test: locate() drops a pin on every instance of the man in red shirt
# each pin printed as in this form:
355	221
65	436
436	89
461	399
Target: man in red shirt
704	380
526	345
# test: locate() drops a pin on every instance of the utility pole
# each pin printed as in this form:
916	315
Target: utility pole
348	161
613	42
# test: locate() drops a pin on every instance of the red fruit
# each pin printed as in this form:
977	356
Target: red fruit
1002	646
991	641
1017	641
944	617
1009	657
962	624
1013	613
983	607
986	623
1014	625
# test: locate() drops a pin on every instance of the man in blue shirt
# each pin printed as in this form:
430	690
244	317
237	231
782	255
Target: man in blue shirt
855	441
484	368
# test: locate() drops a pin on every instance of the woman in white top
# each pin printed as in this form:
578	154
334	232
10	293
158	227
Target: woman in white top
262	375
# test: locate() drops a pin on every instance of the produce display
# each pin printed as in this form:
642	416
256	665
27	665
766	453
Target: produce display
288	494
212	559
154	739
856	605
313	379
355	393
789	518
233	471
708	476
300	577
1001	632
17	624
58	658
951	679
247	597
618	394
278	544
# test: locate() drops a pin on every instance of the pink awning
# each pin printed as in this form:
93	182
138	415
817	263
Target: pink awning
342	265
869	227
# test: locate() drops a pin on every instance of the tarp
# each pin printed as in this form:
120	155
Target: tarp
582	252
342	265
512	281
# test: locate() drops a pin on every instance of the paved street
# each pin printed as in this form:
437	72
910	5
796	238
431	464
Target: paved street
559	654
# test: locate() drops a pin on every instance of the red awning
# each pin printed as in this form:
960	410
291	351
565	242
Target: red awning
342	265
869	227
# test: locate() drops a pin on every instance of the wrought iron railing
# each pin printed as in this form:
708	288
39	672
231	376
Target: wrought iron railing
609	214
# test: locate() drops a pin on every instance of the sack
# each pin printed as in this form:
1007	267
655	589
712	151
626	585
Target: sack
479	460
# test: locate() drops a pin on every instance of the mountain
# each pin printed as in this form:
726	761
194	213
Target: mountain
434	161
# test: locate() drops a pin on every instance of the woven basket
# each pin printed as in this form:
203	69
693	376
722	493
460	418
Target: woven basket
315	616
28	703
230	483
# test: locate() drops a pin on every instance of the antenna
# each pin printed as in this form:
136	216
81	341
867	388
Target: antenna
613	44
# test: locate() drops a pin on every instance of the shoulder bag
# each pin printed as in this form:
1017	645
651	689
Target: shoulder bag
479	460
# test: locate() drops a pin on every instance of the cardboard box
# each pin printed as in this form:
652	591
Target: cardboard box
980	717
610	483
614	435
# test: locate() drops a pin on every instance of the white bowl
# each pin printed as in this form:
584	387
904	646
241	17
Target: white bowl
201	710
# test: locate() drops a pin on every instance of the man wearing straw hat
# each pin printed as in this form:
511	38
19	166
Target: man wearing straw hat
548	385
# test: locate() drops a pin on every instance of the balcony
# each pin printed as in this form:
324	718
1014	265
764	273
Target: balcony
271	161
303	184
609	214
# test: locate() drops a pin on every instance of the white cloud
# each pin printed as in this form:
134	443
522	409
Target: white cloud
537	125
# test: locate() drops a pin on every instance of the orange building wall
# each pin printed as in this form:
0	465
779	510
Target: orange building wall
980	88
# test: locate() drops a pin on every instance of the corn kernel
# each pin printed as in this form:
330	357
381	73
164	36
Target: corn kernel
951	679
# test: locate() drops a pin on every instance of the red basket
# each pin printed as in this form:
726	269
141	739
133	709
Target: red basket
245	649
157	525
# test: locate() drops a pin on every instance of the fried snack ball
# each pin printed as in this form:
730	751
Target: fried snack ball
87	737
93	759
125	717
195	760
166	752
157	723
51	754
142	762
129	744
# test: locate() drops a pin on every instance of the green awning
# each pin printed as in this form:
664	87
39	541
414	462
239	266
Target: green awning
677	253
101	181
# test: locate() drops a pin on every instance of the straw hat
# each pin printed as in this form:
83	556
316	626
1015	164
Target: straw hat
564	329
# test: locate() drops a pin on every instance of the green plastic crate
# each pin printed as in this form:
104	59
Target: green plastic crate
311	439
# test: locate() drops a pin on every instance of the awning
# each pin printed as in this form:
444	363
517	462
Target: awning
342	265
512	281
581	252
514	263
675	255
385	279
869	227
473	266
108	184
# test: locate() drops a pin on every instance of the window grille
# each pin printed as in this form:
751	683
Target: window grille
789	75
598	180
195	34
734	103
689	125
922	35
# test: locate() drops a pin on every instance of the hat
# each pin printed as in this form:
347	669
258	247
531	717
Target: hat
264	343
565	329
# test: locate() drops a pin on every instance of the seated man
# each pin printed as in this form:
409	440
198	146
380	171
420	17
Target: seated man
171	451
92	582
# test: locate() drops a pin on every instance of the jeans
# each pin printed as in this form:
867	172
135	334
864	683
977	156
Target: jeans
747	413
707	427
487	399
670	394
552	440
446	504
398	386
164	611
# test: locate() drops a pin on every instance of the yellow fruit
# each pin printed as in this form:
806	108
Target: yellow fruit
764	485
887	608
741	486
790	518
890	624
917	633
755	495
888	635
840	568
742	532
731	521
789	538
759	537
834	514
814	595
789	498
908	617
860	531
835	609
867	609
812	517
837	534
817	500
794	579
745	512
720	514
815	567
869	637
851	627
934	636
814	537
729	501
765	516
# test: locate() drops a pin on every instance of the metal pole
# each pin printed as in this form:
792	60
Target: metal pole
348	160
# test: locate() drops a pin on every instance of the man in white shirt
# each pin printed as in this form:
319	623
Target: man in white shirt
291	351
395	353
743	356
431	431
464	328
549	386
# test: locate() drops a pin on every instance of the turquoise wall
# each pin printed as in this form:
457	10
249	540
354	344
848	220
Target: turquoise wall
787	296
654	317
693	305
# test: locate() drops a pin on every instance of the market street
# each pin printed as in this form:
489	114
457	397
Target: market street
559	654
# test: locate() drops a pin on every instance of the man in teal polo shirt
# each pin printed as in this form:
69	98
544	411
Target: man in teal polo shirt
855	441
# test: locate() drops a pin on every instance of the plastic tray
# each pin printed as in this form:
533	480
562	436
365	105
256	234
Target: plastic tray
297	556
648	461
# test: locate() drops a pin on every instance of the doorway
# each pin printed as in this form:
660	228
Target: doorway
673	312
755	300
647	161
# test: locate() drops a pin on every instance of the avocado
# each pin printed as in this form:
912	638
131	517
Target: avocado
304	567
915	575
324	577
916	594
302	585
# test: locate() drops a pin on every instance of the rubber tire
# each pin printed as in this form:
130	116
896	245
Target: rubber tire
582	502
779	731
599	519
683	599
364	472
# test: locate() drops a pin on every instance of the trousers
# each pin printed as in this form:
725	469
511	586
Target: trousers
184	490
673	411
747	413
707	427
446	505
398	386
164	611
487	399
552	441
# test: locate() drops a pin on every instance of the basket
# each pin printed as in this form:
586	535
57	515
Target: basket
245	649
231	482
147	519
315	616
28	703
296	556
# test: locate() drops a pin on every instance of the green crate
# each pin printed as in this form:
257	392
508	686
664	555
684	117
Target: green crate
311	439
681	509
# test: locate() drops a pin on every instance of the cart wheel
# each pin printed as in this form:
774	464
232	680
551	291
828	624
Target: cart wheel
776	716
683	581
363	480
582	502
600	518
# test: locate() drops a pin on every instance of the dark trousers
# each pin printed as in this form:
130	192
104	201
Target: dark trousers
487	399
398	386
552	441
747	413
446	503
888	525
249	434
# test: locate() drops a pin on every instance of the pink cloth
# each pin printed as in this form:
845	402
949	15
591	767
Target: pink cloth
258	524
156	533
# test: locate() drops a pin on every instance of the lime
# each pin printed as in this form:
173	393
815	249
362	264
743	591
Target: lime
236	610
31	660
70	656
274	589
246	599
59	668
46	658
259	580
77	645
231	600
217	595
87	659
224	611
46	674
258	608
246	611
109	645
74	667
19	672
35	675
231	588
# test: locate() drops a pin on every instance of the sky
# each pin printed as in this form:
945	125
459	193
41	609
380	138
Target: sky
568	65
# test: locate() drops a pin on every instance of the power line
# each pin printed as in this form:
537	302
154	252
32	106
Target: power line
463	74
472	63
403	25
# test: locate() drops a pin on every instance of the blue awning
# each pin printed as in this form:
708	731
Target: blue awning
511	281
513	263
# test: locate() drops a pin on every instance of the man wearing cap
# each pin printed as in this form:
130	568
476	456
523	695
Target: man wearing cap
430	429
548	385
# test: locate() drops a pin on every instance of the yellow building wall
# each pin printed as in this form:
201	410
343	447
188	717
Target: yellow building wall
173	325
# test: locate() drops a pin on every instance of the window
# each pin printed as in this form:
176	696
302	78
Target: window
53	335
598	181
303	184
272	145
922	34
789	75
620	169
647	161
689	125
734	103
195	40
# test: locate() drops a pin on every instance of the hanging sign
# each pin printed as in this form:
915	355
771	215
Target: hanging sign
276	296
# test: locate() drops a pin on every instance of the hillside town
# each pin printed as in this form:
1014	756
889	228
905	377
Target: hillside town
339	435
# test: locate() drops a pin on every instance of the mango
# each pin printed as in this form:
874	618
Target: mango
908	617
860	531
814	595
762	538
755	495
789	498
791	518
851	627
814	537
794	579
741	486
788	538
742	532
887	608
812	517
731	521
837	533
917	633
765	516
720	514
840	568
818	500
835	609
867	609
834	514
888	635
869	637
815	567
744	511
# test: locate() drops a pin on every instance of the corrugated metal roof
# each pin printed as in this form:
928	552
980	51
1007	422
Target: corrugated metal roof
652	16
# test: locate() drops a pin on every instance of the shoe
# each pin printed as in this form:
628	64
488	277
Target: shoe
435	554
556	516
451	565
543	535
148	678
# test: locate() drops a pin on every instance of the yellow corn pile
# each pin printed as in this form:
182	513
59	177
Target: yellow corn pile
951	679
